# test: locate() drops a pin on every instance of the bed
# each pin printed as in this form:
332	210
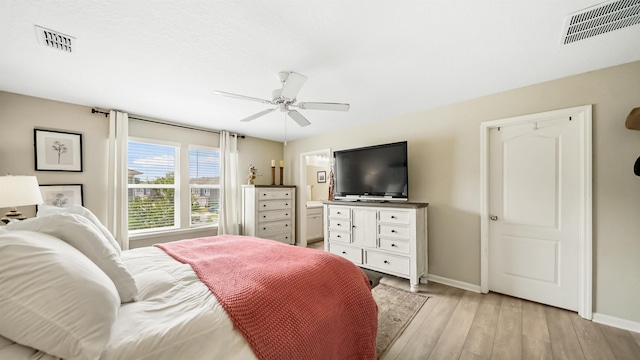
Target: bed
67	291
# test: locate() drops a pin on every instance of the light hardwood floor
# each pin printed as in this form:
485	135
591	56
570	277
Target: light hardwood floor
458	324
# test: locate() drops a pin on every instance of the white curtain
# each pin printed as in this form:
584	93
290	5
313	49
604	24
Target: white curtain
117	203
229	221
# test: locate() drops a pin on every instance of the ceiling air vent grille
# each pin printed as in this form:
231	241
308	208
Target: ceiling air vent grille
55	39
600	19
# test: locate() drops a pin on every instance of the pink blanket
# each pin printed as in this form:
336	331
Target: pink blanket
288	302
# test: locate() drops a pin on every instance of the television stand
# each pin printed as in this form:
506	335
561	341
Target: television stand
388	237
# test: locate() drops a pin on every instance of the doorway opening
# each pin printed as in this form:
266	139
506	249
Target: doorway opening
315	167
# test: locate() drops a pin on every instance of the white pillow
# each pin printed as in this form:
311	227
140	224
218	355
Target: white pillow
82	235
52	298
44	210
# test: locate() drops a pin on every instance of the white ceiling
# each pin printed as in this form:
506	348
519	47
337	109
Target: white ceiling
163	59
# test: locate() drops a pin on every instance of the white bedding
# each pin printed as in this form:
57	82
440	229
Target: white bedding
175	317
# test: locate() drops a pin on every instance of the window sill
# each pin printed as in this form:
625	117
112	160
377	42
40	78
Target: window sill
155	234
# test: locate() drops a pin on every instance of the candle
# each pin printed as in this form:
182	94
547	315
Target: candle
273	163
281	163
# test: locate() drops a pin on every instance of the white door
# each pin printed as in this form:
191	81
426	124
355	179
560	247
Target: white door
534	205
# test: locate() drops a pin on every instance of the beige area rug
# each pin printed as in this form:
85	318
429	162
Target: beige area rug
396	309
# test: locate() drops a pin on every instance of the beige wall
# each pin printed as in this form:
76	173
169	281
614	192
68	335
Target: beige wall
19	115
444	170
319	191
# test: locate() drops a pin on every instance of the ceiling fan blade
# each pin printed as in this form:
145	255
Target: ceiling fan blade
241	97
323	106
255	116
292	85
297	117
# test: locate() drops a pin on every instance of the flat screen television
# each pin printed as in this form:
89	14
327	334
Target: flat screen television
376	173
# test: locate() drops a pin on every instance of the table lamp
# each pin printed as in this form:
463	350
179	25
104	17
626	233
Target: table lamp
18	191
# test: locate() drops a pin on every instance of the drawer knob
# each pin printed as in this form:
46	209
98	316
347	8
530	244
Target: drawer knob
393	245
338	224
344	252
264	216
287	194
386	262
339	236
264	205
393	216
339	213
285	225
264	228
286	214
286	204
393	231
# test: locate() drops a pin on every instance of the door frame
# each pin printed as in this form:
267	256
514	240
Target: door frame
302	194
585	251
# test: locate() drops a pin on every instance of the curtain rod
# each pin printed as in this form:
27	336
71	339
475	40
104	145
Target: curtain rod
96	111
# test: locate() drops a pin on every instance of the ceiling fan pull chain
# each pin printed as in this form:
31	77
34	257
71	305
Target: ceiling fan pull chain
285	129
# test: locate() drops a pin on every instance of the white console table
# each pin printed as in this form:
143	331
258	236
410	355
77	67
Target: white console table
386	237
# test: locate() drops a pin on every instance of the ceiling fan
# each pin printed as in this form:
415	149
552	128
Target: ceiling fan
285	98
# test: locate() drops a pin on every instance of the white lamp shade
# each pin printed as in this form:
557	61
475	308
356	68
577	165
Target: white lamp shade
19	191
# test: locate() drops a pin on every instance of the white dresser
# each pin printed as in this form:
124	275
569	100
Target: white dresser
386	237
268	212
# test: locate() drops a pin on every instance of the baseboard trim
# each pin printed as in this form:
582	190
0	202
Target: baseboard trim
597	318
616	322
450	282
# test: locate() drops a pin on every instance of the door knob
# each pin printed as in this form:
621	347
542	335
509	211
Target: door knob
493	217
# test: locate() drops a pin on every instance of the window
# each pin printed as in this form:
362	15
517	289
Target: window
204	185
156	196
153	185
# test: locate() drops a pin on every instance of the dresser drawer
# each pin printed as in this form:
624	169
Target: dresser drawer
393	230
314	211
341	236
337	224
350	253
283	238
398	246
388	263
275	205
273	194
394	216
274	215
266	229
339	212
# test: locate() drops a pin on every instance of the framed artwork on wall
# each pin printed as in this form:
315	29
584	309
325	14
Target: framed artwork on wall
64	195
322	176
57	150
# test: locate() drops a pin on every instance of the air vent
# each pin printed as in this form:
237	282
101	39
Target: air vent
600	19
55	39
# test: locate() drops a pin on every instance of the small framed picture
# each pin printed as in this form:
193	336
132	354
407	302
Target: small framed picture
57	150
62	196
322	176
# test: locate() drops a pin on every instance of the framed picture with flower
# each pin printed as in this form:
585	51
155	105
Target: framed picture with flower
63	195
57	150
